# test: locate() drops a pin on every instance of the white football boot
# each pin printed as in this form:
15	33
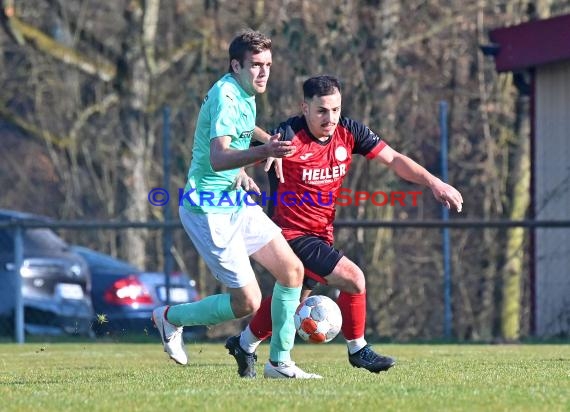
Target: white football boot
287	370
171	336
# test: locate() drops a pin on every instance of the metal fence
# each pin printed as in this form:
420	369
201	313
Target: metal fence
17	316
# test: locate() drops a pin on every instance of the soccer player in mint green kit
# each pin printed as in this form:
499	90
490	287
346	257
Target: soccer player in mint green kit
226	231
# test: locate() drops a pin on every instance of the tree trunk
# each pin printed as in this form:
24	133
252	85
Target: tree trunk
134	85
513	269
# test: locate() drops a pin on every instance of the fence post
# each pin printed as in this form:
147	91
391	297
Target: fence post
19	303
448	315
166	231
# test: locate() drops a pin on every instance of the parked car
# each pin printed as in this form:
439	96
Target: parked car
124	296
55	282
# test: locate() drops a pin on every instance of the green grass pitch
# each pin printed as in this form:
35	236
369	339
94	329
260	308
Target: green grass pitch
139	377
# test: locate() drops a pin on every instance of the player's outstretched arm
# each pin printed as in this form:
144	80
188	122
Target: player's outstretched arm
222	157
447	195
411	171
261	135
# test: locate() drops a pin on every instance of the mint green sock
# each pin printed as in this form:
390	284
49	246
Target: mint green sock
208	311
283	304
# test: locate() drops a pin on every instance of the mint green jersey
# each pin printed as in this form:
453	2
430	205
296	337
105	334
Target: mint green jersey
227	110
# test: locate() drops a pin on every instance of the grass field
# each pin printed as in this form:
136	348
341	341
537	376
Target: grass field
139	377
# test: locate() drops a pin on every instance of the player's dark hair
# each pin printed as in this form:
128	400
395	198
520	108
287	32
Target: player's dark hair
324	85
247	40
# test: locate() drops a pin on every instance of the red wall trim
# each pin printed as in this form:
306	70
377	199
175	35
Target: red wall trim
532	44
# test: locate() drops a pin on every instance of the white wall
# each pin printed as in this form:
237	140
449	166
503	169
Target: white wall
552	198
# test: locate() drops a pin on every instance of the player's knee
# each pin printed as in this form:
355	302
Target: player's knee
355	282
246	305
252	305
359	287
296	273
291	274
359	282
245	309
299	271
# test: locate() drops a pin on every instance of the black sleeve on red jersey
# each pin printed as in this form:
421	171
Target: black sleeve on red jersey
289	128
365	140
273	186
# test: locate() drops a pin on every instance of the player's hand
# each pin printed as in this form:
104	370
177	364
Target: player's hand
278	165
448	196
243	180
277	148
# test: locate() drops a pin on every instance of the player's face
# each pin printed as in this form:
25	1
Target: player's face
254	73
322	114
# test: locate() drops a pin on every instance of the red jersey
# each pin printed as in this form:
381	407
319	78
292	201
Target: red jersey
305	203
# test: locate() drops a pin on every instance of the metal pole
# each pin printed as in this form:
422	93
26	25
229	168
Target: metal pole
167	232
448	315
19	304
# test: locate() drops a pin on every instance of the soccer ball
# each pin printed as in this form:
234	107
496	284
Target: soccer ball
318	319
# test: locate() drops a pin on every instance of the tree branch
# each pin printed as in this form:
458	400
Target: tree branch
31	129
99	107
176	56
104	70
150	21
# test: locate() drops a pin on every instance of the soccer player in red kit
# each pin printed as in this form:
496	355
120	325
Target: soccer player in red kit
304	208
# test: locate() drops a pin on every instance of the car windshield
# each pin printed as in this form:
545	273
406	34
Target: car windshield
43	239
